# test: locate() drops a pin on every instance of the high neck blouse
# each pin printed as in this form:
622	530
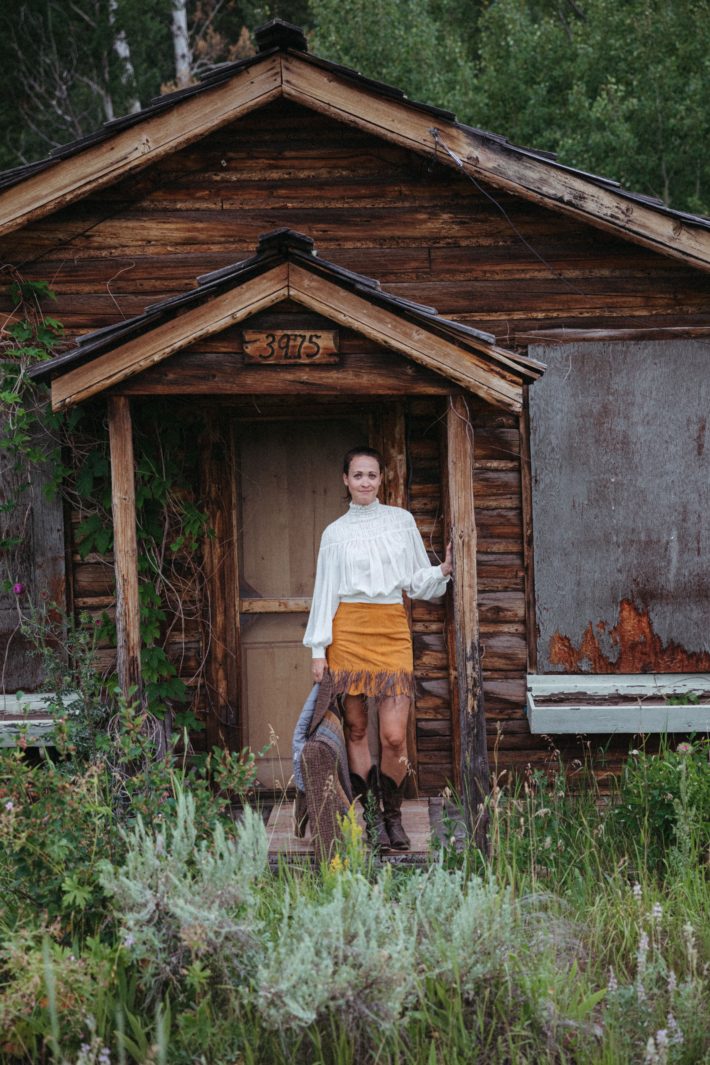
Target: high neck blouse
371	554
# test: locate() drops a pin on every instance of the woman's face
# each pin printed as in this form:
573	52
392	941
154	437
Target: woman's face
363	479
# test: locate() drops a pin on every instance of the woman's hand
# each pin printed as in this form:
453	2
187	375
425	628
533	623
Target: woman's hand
319	666
447	566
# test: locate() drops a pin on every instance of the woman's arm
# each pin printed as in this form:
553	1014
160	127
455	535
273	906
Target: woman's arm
427	581
319	631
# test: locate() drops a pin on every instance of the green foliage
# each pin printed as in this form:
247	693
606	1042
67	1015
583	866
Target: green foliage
189	950
620	89
415	46
665	801
186	907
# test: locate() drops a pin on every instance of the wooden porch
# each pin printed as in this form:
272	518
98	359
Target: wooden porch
428	823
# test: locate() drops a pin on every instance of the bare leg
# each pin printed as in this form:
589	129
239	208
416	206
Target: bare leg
359	756
394	713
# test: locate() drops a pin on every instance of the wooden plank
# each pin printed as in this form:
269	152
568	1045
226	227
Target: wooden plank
394	451
528	551
472	726
26	732
628	718
209	373
492	382
292	605
140	145
125	547
157	344
219	565
279	828
633	685
533	179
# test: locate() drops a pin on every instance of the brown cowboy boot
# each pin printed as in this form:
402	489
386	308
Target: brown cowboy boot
392	796
368	792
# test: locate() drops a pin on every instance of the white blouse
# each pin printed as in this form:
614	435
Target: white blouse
370	555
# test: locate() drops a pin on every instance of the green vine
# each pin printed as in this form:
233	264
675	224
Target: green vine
72	449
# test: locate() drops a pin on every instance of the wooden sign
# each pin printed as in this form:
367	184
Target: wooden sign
282	347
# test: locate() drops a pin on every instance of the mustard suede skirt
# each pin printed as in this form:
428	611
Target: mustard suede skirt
371	652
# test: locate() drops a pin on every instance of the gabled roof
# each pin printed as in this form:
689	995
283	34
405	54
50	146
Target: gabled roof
283	68
286	266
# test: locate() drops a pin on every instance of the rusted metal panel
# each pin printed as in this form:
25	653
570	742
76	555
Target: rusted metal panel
620	440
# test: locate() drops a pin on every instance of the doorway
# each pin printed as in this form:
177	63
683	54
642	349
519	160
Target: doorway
290	488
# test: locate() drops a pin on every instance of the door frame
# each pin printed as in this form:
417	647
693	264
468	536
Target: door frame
219	466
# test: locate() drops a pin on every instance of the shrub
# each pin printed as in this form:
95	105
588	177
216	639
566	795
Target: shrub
188	905
665	800
348	958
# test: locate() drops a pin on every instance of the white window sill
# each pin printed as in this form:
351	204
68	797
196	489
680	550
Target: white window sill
631	703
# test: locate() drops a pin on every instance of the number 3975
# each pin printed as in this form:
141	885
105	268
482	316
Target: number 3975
281	346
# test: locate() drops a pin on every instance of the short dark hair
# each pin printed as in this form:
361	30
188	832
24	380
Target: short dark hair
370	452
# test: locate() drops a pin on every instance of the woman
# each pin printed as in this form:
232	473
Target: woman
358	630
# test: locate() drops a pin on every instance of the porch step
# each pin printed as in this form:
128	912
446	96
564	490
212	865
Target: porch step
421	819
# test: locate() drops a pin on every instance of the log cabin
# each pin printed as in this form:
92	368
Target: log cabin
302	259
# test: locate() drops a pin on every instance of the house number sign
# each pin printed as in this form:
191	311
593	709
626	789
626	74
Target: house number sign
282	347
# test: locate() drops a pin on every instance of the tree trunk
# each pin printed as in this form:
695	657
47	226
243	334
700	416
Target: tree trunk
181	44
123	51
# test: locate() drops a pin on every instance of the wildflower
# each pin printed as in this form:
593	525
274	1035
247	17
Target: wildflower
651	1057
548	843
684	748
672	985
633	752
9	805
336	864
637	891
18	588
675	1035
612	983
656	912
129	940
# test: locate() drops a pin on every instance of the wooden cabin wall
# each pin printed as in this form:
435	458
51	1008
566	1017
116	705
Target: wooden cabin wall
426	232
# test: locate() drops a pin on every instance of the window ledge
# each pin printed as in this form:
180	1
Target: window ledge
617	703
24	716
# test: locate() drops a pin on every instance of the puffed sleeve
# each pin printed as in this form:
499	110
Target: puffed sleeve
319	631
426	581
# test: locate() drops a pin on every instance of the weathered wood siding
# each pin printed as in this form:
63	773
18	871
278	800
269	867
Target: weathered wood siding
425	232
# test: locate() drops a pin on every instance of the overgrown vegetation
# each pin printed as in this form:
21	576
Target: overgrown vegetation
162	935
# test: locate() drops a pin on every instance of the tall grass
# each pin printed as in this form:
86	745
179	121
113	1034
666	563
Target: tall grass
582	938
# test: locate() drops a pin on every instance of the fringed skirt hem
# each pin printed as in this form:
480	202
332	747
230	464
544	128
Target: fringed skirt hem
371	652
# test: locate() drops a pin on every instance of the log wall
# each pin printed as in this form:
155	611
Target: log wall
425	232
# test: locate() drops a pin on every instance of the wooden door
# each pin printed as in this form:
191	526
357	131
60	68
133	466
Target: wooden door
290	489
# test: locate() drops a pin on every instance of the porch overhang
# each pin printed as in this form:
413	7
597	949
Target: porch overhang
286	266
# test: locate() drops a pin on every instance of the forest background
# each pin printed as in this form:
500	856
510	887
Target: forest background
618	88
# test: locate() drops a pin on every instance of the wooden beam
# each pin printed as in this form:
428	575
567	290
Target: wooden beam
488	380
125	548
527	514
474	770
164	340
531	178
140	145
394	450
293	605
222	595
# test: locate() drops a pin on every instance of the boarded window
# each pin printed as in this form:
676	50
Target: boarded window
621	502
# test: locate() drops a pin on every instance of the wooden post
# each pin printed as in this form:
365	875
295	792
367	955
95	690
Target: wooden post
125	549
474	772
218	478
394	451
527	509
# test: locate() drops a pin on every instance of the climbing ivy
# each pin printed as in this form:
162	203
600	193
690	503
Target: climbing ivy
73	448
